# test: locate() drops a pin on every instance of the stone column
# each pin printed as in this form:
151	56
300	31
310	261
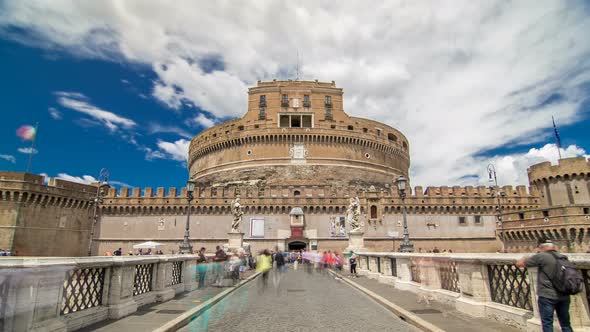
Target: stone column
163	273
404	274
473	279
189	274
120	295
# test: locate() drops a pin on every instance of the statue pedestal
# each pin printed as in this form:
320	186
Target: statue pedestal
236	240
356	241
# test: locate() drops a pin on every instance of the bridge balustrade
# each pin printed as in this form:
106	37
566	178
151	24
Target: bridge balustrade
481	285
65	294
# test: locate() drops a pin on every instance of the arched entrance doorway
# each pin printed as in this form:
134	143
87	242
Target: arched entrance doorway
296	245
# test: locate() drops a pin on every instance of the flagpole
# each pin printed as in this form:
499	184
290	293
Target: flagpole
557	140
32	148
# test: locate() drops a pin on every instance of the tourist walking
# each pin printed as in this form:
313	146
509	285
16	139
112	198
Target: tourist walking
352	262
263	265
202	267
555	272
118	252
219	259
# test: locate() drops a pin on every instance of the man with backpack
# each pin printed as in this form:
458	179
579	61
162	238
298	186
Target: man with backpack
556	281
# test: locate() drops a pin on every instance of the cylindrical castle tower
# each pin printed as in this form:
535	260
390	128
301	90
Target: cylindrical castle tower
564	184
297	133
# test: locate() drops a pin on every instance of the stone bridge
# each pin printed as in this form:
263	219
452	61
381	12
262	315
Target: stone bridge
128	293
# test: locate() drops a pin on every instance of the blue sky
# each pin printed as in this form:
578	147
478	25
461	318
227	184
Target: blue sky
124	86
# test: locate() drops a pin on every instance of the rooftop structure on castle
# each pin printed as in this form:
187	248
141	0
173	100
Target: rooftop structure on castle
297	133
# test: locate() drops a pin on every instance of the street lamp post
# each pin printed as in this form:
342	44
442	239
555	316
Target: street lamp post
498	194
406	245
101	186
186	247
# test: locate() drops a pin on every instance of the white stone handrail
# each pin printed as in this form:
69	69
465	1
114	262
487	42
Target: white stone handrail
32	289
479	284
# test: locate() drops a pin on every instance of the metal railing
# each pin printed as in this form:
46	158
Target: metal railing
82	289
509	285
449	277
176	276
143	279
393	264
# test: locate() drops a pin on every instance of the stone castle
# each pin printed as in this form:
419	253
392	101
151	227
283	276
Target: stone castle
296	159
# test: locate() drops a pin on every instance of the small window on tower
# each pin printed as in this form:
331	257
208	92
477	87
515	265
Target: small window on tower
521	216
285	100
477	220
328	101
545	213
462	221
262	101
306	101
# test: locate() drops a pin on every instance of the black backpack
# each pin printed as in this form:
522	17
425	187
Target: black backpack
567	279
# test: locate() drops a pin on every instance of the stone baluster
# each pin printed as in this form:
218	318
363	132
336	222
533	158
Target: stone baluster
386	276
189	274
475	291
163	272
404	274
34	298
120	300
429	274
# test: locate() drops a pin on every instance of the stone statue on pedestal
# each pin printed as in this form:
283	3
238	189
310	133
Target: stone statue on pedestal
236	209
353	214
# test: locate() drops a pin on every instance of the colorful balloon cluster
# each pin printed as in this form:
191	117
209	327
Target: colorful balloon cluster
26	133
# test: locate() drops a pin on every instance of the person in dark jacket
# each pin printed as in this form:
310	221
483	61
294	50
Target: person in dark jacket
549	299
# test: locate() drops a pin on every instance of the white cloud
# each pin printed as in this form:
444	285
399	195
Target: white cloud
155	128
8	158
84	179
470	76
511	169
177	150
27	150
55	114
78	102
202	121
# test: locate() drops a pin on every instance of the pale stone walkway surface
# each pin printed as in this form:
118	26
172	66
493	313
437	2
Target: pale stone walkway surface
301	302
152	316
444	316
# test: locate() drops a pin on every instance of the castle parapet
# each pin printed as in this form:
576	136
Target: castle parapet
568	182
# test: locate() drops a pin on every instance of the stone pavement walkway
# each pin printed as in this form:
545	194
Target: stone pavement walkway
299	302
152	316
443	316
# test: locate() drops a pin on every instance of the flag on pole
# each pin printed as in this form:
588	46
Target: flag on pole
26	133
557	140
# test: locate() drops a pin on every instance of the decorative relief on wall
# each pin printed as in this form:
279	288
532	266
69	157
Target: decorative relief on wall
298	153
161	224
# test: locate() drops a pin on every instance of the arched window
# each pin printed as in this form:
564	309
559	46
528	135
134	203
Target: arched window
296	193
373	212
392	137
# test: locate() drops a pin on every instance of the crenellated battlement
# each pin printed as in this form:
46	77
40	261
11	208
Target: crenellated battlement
569	167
